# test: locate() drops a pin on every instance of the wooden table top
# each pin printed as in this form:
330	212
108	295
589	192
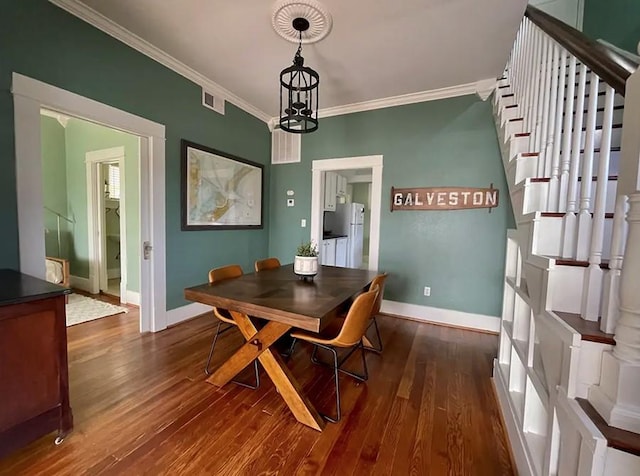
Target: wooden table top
279	295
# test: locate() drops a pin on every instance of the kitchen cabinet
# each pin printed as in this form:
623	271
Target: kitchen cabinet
33	361
341	185
341	251
330	187
328	252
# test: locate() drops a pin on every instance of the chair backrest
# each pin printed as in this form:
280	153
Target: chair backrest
378	281
225	272
268	263
220	274
357	320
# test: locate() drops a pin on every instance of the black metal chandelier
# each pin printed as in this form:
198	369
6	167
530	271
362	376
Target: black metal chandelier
299	91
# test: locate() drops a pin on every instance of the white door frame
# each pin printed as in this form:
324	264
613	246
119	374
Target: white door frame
29	95
373	162
98	278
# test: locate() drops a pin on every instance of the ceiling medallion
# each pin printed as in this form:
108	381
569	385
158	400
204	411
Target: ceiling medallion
318	17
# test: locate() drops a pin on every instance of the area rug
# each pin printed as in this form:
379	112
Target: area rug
82	309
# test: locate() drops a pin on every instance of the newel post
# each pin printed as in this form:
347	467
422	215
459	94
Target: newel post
617	397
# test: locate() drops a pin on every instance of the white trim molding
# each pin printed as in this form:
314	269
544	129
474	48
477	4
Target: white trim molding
83	284
131	297
108	26
482	88
29	96
186	312
437	315
373	162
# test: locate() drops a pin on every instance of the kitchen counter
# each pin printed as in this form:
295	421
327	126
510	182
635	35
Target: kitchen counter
330	236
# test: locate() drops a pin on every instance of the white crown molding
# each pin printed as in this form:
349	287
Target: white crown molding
482	88
96	19
61	118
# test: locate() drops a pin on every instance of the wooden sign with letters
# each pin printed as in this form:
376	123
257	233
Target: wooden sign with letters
443	198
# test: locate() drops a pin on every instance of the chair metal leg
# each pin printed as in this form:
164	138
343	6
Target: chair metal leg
213	345
376	348
289	351
336	372
336	377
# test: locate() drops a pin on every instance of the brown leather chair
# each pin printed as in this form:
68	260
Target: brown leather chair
345	333
216	275
265	264
377	281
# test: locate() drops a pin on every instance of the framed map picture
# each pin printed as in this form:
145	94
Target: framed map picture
219	191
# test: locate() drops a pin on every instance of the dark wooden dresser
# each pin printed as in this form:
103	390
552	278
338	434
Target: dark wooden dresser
34	378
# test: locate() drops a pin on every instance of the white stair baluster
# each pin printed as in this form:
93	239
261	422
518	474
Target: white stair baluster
552	164
570	218
611	284
591	293
543	96
544	113
566	135
534	86
584	215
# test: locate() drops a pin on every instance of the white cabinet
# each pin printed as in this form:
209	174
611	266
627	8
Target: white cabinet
341	188
330	187
341	251
328	252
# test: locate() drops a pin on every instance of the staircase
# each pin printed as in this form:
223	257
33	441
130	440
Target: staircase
567	376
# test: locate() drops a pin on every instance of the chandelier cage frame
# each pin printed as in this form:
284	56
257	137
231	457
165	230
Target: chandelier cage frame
299	86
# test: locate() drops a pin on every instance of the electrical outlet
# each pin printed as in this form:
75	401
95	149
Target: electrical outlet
427	291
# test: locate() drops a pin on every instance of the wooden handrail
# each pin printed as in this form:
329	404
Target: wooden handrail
610	66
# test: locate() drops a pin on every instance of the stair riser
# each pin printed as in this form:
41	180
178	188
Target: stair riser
521	168
546	236
531	197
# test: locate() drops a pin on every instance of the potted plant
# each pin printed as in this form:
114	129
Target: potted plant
305	263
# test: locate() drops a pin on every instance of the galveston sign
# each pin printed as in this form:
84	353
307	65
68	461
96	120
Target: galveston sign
443	198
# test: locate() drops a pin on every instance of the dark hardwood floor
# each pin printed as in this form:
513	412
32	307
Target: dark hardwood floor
141	406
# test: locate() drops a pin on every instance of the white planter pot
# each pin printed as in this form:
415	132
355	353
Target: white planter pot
305	265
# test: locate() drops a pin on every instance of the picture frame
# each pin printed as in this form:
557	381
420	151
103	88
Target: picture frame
219	191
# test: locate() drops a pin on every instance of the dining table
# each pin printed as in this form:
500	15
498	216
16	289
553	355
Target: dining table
284	301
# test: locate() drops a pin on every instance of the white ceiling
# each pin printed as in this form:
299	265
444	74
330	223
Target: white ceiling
376	49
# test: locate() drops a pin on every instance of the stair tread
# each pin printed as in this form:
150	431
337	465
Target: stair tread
574	262
589	330
562	214
548	179
622	440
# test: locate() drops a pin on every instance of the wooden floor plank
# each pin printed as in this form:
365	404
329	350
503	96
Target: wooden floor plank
142	406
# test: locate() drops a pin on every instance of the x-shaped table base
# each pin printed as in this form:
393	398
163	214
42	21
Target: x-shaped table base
258	346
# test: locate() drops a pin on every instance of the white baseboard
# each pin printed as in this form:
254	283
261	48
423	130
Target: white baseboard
83	284
442	316
113	273
132	297
184	313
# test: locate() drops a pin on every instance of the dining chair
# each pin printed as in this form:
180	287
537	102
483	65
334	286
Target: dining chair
345	333
379	281
216	275
265	264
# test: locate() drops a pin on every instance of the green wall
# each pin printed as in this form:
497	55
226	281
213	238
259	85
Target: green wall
82	137
452	142
616	21
54	186
40	40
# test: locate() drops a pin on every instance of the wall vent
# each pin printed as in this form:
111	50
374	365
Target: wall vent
285	147
212	102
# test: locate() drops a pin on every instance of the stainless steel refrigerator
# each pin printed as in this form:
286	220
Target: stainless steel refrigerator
350	217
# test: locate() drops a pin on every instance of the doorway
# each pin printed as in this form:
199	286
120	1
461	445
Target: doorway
369	168
109	237
29	96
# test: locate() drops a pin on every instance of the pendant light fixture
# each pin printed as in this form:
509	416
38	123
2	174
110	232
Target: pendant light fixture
299	90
